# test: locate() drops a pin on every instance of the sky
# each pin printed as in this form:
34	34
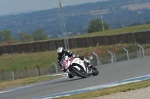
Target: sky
18	6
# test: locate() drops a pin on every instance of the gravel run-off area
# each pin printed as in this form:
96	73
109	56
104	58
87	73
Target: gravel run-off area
143	93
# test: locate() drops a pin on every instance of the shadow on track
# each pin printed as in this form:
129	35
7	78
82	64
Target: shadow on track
66	80
69	80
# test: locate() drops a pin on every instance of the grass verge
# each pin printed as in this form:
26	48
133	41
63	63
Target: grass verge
27	81
108	91
9	62
131	29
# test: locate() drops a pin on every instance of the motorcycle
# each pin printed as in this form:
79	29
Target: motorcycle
77	67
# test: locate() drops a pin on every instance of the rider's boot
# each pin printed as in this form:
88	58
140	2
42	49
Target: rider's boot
70	75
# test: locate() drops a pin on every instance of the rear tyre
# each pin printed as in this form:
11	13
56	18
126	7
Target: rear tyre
95	71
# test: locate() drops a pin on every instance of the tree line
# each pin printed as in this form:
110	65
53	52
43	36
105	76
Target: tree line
6	36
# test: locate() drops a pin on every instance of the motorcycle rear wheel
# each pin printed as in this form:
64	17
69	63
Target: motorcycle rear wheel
95	71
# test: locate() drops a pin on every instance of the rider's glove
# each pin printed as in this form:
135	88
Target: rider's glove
81	57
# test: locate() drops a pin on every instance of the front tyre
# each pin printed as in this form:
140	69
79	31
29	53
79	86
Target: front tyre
80	73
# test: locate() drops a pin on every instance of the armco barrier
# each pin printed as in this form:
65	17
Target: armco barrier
29	47
139	37
131	38
147	37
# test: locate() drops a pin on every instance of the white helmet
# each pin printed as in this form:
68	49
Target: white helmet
60	51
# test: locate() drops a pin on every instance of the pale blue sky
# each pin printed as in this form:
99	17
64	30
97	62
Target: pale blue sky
15	6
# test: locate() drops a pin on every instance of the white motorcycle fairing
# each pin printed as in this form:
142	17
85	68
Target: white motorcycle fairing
78	61
77	67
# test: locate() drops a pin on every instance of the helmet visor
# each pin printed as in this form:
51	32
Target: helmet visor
61	54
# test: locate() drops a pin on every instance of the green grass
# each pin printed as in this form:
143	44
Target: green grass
8	62
27	81
116	31
30	60
108	91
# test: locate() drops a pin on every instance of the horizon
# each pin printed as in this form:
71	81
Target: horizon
8	7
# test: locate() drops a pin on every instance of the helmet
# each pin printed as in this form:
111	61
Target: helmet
60	51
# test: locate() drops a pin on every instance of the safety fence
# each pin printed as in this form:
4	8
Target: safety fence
95	58
139	37
20	74
121	55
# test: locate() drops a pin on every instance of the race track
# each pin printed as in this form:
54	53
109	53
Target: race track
108	73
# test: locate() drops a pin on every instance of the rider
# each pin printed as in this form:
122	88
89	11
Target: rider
62	52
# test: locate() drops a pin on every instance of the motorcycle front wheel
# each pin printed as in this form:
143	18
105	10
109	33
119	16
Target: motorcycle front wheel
80	73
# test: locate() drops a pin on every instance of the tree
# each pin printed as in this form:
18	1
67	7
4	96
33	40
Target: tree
24	37
39	35
5	36
12	41
96	26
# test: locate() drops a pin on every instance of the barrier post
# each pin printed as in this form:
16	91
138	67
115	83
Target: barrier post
143	52
127	52
4	75
38	71
112	57
55	67
15	74
27	73
97	58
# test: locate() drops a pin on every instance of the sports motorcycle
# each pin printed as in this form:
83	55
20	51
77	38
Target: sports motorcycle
77	67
